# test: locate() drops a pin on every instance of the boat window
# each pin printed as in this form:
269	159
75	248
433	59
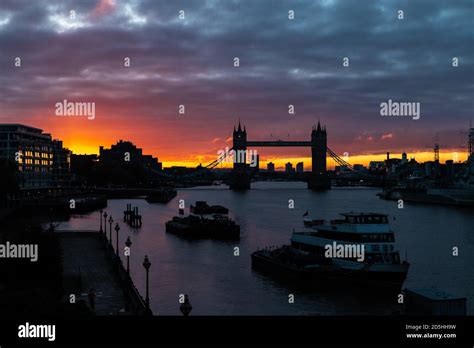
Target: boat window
350	219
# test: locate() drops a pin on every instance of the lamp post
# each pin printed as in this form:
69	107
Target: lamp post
100	214
147	264
186	307
105	224
117	229
110	229
128	244
51	227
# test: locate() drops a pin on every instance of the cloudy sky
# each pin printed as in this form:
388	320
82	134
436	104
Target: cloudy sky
80	57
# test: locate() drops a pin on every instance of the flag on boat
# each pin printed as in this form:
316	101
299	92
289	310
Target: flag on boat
305	214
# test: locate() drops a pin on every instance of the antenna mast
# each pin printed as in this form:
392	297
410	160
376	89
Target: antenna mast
436	148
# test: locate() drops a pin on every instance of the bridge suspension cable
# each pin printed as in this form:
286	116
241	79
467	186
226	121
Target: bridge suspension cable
217	161
338	159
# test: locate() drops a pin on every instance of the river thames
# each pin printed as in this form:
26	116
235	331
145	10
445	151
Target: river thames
219	283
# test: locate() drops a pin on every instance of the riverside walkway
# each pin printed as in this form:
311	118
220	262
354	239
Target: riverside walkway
89	262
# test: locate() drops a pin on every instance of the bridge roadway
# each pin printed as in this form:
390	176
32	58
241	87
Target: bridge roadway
278	143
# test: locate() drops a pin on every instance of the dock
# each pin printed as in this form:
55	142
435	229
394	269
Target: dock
131	216
90	262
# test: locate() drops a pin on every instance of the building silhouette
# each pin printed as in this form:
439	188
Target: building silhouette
61	164
270	167
300	167
127	152
42	162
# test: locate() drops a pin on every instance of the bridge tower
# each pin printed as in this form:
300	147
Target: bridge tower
240	178
319	179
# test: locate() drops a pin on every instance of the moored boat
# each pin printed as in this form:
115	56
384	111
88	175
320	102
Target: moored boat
202	208
357	250
440	196
161	196
192	226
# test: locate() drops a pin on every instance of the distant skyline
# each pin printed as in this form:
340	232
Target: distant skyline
190	61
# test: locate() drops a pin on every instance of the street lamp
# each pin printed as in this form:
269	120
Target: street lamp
147	264
128	244
51	227
100	214
110	230
186	307
105	224
117	229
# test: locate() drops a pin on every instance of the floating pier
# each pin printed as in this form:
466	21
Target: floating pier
131	216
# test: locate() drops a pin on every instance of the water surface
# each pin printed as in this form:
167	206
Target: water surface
219	283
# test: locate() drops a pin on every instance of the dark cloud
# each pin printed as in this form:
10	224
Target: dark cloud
283	62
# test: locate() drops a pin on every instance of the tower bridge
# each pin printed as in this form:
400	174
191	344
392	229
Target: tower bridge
318	179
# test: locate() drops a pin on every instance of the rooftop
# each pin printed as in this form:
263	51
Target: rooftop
434	294
36	130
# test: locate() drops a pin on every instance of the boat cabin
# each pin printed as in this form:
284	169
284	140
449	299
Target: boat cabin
361	218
